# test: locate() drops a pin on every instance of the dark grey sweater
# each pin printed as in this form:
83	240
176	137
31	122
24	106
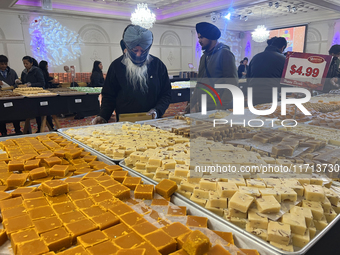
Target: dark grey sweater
10	78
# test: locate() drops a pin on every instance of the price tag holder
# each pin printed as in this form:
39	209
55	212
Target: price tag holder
44	103
9	104
306	70
179	94
77	101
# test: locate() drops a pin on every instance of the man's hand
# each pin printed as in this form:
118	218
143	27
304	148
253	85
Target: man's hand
17	81
1	83
98	120
153	113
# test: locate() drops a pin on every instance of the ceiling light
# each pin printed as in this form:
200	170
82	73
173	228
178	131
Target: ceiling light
277	5
143	16
270	4
288	7
294	9
245	18
260	34
227	16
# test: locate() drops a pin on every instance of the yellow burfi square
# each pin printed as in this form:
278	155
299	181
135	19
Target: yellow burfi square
32	247
59	170
196	243
166	188
57	239
91	239
31	164
268	204
38	173
144	191
17	180
279	232
53	161
241	202
54	187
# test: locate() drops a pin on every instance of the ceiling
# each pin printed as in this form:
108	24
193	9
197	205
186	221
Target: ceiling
246	15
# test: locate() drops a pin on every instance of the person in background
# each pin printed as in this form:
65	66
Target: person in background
43	65
217	66
265	71
32	75
136	81
333	75
8	76
97	77
243	69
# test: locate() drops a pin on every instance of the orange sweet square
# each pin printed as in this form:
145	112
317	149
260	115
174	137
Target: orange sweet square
144	191
59	170
57	239
53	161
197	221
175	210
38	173
164	243
132	182
166	187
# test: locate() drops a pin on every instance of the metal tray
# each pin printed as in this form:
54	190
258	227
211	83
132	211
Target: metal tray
219	222
62	131
11	98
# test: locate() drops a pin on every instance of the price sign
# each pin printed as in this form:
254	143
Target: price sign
306	70
43	103
77	101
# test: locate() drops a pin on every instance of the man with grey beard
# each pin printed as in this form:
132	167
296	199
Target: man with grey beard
136	81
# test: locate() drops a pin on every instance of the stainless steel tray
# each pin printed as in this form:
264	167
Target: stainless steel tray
219	222
242	238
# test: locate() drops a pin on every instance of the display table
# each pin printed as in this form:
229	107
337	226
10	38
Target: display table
28	107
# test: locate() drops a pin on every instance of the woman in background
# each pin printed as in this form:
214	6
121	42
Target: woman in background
97	77
43	65
32	75
243	69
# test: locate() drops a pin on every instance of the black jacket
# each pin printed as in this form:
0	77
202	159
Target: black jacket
10	78
34	76
216	67
241	69
119	95
48	79
333	72
265	71
97	79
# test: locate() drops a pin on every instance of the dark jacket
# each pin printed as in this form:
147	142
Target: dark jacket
241	69
97	79
216	67
10	78
120	95
265	71
333	72
48	79
34	76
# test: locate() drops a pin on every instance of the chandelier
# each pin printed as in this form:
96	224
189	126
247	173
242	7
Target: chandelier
143	16
260	34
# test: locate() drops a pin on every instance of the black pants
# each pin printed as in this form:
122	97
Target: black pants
3	129
48	119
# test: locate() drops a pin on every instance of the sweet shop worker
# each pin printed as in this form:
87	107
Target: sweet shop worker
136	81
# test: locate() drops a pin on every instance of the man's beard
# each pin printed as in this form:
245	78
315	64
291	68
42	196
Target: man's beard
136	75
206	47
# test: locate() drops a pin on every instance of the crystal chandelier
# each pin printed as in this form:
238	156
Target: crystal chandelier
260	34
143	16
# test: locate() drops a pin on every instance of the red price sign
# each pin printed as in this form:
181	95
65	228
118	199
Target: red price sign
306	70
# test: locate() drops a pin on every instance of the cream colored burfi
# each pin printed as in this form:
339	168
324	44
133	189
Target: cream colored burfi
271	192
305	212
255	183
279	232
300	240
256	220
287	194
314	193
208	183
217	201
226	189
262	233
241	202
297	223
251	191
315	207
268	204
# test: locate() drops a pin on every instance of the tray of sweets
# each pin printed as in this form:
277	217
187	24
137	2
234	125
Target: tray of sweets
210	192
32	159
109	194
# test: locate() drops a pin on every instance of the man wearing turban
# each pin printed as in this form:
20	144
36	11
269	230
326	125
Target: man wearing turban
217	66
136	81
